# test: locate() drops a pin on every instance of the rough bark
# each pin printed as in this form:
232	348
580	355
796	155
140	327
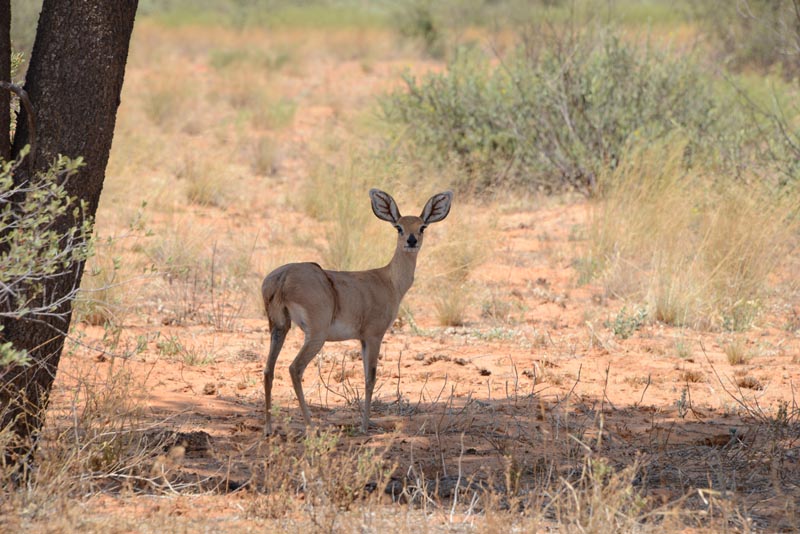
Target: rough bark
74	81
5	75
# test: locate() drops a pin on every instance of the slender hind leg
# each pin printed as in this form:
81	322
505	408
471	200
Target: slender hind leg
310	348
277	337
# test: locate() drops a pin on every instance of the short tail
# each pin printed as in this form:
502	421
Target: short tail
277	312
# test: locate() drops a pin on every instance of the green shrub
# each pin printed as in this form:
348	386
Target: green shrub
551	118
34	247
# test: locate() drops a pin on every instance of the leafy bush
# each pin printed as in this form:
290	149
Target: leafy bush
553	117
33	246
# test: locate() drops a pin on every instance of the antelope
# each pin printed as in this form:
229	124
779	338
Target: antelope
340	305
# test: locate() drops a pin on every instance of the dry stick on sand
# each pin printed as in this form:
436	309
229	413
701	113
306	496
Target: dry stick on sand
337	305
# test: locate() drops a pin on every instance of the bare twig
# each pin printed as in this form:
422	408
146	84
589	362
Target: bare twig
647	385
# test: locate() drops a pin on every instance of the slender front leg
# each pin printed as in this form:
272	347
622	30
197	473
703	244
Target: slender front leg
370	348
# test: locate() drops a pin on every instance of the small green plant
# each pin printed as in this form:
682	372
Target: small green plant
683	349
588	269
170	346
192	357
739	316
497	334
625	323
11	356
174	349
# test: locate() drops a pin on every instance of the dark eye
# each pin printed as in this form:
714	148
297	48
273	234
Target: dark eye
399	229
422	229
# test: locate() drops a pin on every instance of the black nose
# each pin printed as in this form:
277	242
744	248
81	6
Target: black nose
412	241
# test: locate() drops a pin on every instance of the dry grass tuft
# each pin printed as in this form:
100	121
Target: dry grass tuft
101	299
693	376
207	182
265	156
459	247
749	382
95	441
736	352
699	253
337	195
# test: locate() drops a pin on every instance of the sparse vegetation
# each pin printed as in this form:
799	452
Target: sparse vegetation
246	127
759	33
100	299
206	182
698	253
682	349
337	194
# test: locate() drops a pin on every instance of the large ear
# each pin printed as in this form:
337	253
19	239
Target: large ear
437	207
383	206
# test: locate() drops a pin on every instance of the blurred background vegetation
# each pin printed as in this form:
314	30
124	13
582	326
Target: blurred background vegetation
567	84
540	97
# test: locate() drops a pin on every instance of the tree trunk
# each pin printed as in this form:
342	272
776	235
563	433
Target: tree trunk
74	82
5	75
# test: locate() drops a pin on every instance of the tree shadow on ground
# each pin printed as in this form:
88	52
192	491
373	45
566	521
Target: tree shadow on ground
522	449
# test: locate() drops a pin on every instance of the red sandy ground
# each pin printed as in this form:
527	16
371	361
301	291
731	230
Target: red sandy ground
450	394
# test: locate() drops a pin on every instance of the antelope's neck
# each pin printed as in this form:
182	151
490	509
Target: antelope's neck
401	270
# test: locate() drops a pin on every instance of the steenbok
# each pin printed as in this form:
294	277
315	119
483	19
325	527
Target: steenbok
339	305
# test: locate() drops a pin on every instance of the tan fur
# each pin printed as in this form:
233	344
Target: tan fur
339	305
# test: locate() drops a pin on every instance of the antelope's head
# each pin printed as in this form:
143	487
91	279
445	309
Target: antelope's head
410	228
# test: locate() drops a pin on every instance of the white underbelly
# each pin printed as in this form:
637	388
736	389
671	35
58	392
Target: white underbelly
340	331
